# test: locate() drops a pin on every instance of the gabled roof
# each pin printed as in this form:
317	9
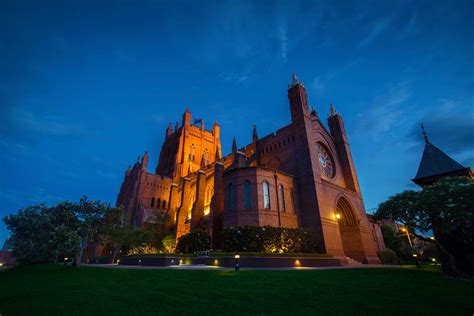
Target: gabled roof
436	162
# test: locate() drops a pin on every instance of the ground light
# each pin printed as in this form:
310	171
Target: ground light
237	266
416	260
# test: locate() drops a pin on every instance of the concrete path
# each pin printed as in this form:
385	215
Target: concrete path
205	267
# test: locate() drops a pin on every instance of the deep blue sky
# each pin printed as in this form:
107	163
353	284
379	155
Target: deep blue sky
86	87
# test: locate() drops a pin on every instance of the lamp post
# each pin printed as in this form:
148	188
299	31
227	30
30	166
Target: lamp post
415	255
416	260
403	229
237	257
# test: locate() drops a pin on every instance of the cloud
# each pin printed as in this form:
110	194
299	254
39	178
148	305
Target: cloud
450	126
38	195
376	29
317	85
387	111
283	43
24	125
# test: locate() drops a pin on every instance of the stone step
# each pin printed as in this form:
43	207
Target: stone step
352	261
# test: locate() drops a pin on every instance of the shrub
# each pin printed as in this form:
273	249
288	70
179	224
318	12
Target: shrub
194	241
141	250
169	243
388	256
267	239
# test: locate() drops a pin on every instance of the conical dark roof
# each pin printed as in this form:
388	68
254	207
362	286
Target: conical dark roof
436	162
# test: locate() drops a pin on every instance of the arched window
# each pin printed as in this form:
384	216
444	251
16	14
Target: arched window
281	196
206	157
248	203
231	196
164	204
266	195
293	206
152	202
190	208
208	195
158	203
192	152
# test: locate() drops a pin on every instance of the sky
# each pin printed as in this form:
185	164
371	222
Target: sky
87	86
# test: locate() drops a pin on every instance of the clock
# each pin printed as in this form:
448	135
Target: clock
325	161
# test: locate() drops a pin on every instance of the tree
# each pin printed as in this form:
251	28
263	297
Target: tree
97	221
169	243
157	225
41	233
447	209
30	234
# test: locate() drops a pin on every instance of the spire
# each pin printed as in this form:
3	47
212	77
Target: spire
145	161
332	110
169	130
217	157
234	145
186	117
255	136
425	136
294	80
313	111
128	171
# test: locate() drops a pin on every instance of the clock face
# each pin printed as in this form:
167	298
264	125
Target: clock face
325	161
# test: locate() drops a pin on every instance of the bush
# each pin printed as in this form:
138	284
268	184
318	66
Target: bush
192	242
388	256
169	243
269	239
141	250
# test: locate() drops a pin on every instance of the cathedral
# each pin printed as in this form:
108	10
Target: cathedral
302	175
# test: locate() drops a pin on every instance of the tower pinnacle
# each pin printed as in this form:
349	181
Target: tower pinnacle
254	136
234	145
294	81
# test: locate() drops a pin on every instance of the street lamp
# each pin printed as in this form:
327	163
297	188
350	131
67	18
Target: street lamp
403	229
237	257
416	260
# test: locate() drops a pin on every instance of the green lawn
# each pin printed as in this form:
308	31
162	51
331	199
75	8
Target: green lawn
52	290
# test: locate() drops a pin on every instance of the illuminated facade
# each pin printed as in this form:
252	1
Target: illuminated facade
302	175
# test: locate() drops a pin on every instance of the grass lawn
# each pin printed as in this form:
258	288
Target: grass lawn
51	290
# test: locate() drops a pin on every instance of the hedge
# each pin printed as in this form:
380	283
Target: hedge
192	242
388	256
267	239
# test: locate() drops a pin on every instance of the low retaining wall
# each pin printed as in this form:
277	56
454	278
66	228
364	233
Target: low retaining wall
245	262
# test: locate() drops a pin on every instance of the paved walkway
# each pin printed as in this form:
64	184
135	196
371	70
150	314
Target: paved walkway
206	267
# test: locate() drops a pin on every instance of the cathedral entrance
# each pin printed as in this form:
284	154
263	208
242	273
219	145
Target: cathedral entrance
349	230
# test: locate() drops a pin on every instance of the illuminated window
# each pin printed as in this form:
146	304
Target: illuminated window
248	203
281	196
266	195
208	195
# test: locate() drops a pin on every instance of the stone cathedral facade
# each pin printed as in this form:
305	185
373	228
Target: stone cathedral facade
302	175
